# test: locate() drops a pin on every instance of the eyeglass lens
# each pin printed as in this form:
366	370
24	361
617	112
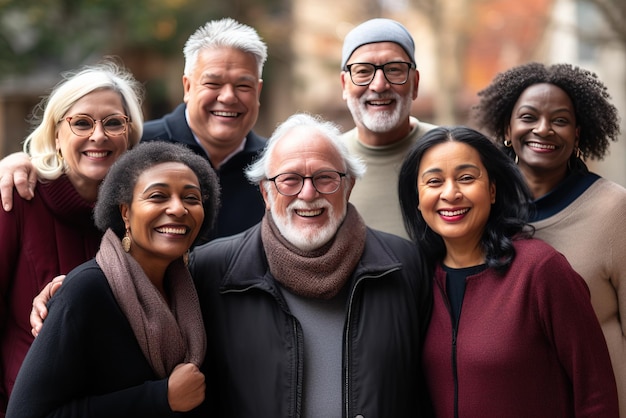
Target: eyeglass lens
84	125
395	72
325	182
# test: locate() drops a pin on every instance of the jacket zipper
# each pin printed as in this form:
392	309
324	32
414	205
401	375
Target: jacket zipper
348	345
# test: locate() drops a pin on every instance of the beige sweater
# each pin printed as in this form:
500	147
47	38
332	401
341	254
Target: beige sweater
376	194
591	233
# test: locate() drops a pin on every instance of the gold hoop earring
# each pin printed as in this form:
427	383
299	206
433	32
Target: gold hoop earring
578	153
186	258
508	143
516	159
126	241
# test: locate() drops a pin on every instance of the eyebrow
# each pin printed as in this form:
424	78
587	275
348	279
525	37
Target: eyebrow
457	168
563	109
165	185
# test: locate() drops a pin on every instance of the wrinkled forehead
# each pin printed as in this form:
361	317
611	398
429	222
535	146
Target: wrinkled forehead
305	151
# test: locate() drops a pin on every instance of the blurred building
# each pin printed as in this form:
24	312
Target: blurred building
460	46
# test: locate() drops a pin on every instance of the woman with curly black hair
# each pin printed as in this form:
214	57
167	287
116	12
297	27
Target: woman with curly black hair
549	119
502	341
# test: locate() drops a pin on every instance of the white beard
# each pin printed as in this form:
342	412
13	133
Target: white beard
380	121
307	238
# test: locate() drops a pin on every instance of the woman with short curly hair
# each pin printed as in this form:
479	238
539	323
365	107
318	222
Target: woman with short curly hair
550	118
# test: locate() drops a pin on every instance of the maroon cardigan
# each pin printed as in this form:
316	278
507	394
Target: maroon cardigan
40	239
528	344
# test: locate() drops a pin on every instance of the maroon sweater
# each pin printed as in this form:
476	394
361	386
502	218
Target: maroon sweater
40	239
528	344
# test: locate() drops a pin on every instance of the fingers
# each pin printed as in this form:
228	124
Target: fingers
25	182
40	310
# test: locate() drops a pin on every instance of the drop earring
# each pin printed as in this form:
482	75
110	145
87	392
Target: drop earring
126	241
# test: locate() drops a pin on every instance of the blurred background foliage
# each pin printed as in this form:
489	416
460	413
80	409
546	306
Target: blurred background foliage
36	35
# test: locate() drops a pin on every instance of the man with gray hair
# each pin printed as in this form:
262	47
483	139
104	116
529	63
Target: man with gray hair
222	84
310	313
380	104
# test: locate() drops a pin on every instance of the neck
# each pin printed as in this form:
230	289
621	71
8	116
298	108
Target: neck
462	255
378	139
541	183
87	189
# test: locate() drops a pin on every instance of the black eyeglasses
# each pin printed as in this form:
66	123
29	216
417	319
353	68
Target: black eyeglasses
325	182
85	125
396	72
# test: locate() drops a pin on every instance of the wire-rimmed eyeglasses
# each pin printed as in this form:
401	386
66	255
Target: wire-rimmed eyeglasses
85	125
290	184
395	72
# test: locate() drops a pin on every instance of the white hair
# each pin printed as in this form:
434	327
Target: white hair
225	32
259	170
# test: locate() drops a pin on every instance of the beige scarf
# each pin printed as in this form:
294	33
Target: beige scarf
321	273
167	336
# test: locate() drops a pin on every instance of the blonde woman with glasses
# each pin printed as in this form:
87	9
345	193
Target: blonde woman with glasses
89	120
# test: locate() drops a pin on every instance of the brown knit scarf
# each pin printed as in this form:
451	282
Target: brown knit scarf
321	273
167	336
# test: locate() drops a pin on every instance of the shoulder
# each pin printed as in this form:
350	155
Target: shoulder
255	142
223	251
162	127
540	259
85	283
386	248
420	128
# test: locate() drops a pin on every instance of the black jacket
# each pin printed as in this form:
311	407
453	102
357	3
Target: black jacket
242	203
254	362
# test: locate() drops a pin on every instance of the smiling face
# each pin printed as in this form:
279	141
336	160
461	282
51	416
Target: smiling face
222	96
381	107
165	215
455	194
543	130
88	158
309	219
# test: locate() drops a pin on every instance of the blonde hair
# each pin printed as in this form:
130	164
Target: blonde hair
108	75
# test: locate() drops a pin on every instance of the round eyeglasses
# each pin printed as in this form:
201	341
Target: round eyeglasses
85	125
325	182
396	72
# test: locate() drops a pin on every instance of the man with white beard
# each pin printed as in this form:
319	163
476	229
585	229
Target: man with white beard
380	104
311	313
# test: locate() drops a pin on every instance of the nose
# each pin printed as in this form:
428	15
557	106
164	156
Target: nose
308	192
176	207
98	132
543	127
450	191
379	82
227	94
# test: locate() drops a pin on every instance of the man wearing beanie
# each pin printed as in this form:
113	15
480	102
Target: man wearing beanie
380	81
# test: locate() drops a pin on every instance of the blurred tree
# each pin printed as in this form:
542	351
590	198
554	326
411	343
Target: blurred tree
614	12
40	35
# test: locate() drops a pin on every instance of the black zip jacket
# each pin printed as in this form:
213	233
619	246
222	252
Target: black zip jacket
254	362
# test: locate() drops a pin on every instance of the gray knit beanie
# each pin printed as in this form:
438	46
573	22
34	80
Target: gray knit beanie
377	30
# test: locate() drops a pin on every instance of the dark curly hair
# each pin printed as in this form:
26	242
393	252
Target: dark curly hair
509	214
119	183
596	117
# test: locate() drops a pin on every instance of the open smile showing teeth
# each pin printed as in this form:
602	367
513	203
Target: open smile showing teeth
453	212
225	114
541	146
309	213
94	154
172	230
379	102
